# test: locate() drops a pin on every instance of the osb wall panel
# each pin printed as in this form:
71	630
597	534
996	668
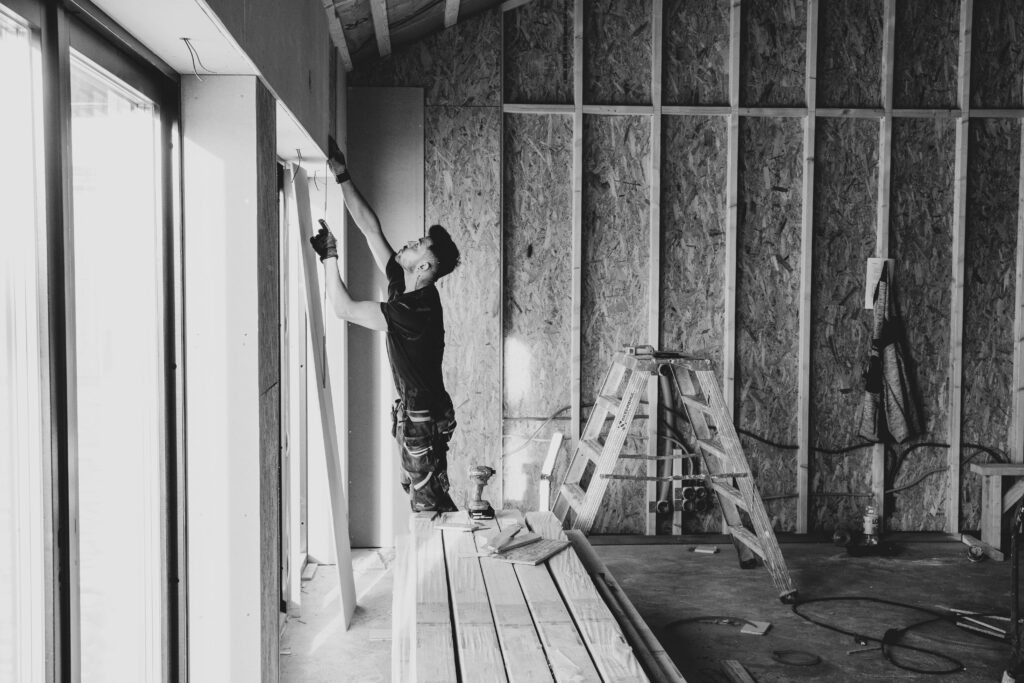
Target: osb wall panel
989	276
539	53
773	53
693	214
767	305
616	259
696	52
463	143
617	52
459	66
997	53
850	53
920	239
537	201
926	52
845	199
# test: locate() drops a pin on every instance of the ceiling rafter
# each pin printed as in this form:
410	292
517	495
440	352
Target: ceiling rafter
451	13
337	32
379	8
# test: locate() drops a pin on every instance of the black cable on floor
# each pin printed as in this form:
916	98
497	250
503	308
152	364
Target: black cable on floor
890	640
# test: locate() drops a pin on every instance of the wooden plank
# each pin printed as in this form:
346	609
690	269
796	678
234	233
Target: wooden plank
1017	409
509	5
517	635
695	110
735	671
476	639
732	210
600	632
403	597
379	10
538	108
564	648
433	649
654	268
992	510
618	109
998	469
451	13
956	322
1011	497
992	552
806	271
337	32
339	507
576	409
554	447
656	661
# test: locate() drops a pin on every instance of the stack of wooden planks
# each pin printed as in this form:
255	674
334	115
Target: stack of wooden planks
461	616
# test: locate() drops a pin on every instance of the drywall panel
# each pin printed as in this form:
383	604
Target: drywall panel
926	53
767	304
845	197
385	153
538	53
773	53
921	242
997	60
537	205
617	52
993	175
463	193
850	53
696	52
614	307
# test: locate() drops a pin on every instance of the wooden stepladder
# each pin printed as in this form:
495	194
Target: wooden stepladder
715	441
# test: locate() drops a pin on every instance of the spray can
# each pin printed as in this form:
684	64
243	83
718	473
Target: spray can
871	526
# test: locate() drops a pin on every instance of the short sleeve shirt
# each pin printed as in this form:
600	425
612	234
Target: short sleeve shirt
415	342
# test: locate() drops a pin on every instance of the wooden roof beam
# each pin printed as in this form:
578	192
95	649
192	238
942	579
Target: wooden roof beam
379	8
451	13
337	32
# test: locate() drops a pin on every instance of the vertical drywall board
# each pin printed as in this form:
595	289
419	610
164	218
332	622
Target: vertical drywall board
463	193
538	47
617	52
845	191
850	53
693	215
920	240
989	295
696	52
767	303
773	53
290	45
460	66
385	154
538	295
614	306
997	57
927	43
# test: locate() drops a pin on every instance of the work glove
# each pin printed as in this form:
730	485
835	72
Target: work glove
324	243
336	161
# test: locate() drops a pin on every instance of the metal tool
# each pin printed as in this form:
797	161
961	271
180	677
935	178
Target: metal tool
478	507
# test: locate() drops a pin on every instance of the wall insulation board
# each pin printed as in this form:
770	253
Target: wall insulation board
850	53
696	52
693	220
767	304
617	52
926	52
993	172
773	53
921	242
615	304
538	57
997	54
845	200
537	198
458	67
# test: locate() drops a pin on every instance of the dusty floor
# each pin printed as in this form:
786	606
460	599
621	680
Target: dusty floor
668	584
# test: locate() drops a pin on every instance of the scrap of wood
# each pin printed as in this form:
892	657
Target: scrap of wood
735	671
535	553
756	628
309	571
990	551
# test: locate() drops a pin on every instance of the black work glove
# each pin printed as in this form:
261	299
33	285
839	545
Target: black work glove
324	243
336	161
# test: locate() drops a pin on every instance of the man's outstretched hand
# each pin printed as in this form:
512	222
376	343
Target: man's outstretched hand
336	160
324	243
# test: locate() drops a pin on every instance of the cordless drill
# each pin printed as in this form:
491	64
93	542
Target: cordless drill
478	507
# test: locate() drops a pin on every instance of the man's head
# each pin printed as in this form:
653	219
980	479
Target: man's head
431	257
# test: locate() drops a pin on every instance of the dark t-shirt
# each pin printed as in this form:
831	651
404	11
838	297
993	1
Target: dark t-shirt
415	343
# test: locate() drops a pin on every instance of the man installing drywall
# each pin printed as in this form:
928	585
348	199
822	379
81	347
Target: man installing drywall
423	418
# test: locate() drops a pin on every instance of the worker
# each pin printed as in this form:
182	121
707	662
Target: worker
423	418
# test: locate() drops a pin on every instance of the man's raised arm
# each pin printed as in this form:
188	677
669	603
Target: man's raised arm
364	313
364	216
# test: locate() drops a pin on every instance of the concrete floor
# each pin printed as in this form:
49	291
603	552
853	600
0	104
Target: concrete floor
667	583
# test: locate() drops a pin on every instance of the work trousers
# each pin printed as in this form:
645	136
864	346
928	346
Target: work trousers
423	440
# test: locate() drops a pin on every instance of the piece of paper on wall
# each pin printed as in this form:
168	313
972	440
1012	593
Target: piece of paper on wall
874	272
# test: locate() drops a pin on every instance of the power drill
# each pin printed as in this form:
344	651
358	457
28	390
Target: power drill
478	507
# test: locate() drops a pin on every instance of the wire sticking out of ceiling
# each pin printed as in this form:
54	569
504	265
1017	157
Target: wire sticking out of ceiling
194	54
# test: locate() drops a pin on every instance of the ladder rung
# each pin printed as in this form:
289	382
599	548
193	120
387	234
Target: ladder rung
642	477
574	495
609	403
694	403
591	449
637	456
743	535
730	492
712	449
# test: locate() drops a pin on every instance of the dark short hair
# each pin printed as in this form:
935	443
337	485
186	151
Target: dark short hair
443	249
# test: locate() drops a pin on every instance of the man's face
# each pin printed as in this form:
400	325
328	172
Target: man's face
413	252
